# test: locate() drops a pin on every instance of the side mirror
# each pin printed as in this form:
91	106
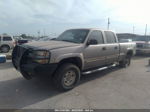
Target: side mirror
92	42
53	39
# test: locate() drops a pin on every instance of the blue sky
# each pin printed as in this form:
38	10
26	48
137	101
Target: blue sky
54	16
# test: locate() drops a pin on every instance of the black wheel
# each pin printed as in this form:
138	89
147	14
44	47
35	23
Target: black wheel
126	62
5	49
26	75
66	77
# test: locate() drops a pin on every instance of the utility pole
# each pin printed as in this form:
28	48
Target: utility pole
38	33
44	32
108	24
133	29
146	30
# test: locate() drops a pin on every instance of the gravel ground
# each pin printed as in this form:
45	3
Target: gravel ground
112	88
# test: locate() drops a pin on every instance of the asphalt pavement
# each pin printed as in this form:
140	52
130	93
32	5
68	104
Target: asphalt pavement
113	88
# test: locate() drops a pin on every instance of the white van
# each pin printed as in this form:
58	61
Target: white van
6	43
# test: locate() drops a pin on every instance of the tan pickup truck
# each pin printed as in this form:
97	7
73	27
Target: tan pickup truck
75	51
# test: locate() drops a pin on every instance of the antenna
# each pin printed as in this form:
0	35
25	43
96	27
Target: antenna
108	24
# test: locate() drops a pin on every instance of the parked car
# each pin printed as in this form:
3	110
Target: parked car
75	51
6	43
22	41
143	45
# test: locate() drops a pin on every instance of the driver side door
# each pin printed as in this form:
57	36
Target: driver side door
94	54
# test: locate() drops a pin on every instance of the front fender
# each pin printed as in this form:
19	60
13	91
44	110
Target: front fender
70	55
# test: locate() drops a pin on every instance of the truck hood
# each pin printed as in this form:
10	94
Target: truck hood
50	44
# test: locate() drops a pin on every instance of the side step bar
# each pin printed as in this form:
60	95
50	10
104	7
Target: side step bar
99	69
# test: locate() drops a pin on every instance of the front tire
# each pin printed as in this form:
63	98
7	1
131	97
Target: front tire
66	77
126	62
26	75
5	49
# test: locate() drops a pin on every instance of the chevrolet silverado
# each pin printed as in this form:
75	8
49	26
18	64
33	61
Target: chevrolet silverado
75	51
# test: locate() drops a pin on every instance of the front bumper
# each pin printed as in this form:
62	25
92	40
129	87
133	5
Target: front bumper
38	69
27	67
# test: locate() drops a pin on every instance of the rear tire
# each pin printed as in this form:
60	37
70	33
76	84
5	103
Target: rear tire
5	49
66	77
126	62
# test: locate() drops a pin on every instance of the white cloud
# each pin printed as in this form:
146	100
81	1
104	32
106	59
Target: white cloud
29	15
67	10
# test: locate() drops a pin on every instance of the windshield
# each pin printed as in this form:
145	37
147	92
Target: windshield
75	36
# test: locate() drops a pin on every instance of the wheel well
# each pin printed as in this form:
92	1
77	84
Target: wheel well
77	61
130	53
5	45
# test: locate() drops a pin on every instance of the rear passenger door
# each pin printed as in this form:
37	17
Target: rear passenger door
94	55
112	46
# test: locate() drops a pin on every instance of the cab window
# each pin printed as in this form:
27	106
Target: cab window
97	35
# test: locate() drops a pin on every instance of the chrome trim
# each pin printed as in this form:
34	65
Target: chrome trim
101	58
94	59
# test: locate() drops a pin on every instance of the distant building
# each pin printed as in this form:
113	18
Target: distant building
134	37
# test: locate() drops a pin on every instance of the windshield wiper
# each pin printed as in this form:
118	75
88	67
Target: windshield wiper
68	41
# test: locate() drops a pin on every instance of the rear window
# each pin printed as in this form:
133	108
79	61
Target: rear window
110	37
125	40
7	38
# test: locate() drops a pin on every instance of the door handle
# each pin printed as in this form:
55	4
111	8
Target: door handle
116	47
104	48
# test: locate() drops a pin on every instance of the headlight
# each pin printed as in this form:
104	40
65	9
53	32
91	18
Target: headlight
40	56
41	61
